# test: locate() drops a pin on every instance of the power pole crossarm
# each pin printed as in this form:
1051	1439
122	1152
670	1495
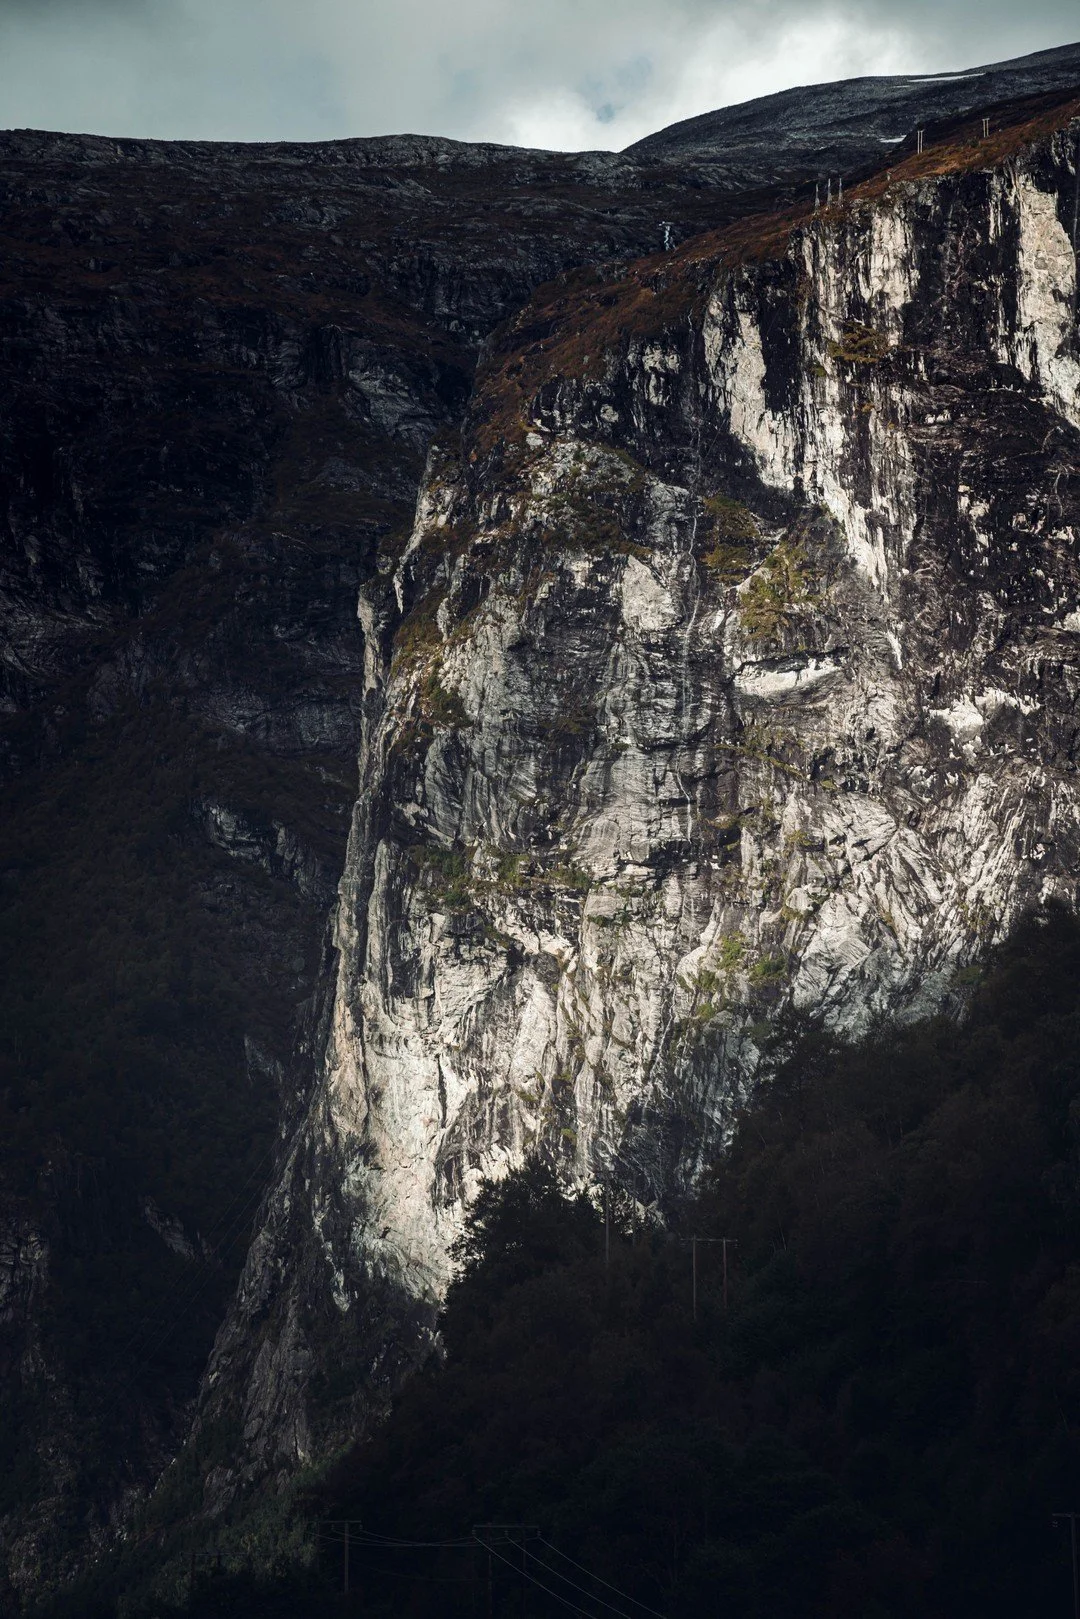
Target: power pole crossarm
723	1242
506	1534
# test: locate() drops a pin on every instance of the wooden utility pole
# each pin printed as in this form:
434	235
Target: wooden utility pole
1071	1517
511	1534
723	1242
345	1524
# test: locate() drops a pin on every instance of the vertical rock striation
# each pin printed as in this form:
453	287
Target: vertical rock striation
728	665
221	367
731	664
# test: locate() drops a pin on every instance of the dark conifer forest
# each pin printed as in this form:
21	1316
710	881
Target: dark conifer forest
881	1422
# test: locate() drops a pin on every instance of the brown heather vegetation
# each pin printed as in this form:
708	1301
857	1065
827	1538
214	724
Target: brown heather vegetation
574	325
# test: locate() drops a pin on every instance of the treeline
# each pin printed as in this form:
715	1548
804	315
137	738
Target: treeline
881	1421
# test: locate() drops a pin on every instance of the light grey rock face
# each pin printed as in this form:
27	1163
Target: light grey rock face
744	675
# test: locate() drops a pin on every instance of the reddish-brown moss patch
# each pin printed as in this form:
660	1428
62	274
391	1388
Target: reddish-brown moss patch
573	325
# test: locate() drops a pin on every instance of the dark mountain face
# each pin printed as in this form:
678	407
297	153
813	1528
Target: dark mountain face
222	367
831	129
225	370
189	330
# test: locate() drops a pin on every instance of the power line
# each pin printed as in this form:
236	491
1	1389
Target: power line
353	1534
346	1524
568	1581
538	1583
726	1242
597	1577
513	1534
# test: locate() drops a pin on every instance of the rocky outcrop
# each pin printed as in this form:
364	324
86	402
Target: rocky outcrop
724	662
731	665
221	368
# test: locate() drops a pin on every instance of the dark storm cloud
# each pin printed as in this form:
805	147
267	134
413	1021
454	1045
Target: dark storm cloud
561	72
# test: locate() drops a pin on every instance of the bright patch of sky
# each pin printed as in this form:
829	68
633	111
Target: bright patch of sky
723	63
562	73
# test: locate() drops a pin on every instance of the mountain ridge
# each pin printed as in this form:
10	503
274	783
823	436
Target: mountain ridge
867	113
226	387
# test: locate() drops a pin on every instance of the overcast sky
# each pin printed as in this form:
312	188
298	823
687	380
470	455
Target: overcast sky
557	73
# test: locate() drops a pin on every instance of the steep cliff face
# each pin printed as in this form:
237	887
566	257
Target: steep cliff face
725	661
731	664
221	367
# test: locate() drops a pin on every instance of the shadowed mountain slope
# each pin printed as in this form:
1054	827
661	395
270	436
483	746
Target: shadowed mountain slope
221	369
829	129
